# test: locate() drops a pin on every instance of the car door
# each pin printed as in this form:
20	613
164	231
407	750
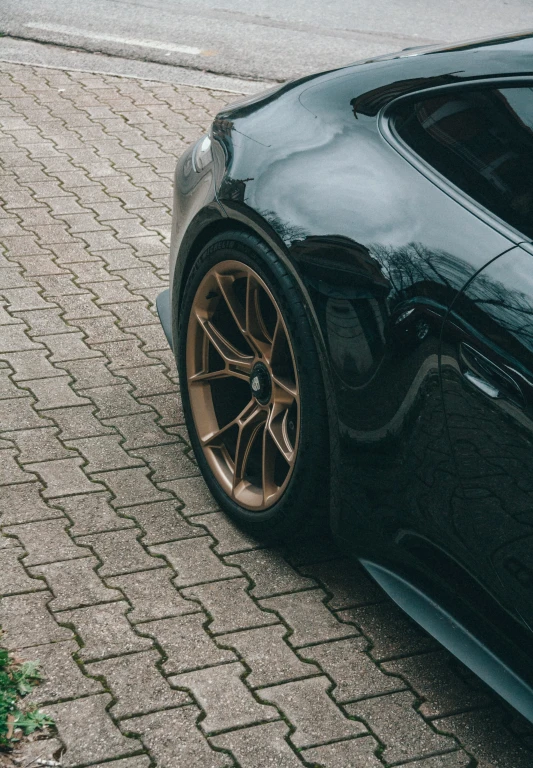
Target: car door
486	363
487	375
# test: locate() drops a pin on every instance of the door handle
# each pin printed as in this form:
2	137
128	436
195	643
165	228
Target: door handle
488	377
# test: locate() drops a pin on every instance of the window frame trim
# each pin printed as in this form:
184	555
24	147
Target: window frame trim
387	130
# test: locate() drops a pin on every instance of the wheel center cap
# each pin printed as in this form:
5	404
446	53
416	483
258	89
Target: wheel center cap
260	383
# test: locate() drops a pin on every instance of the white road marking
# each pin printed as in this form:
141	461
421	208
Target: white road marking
154	44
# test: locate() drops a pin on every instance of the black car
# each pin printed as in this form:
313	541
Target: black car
351	310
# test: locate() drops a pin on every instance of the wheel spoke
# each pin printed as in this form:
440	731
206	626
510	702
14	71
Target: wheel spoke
249	422
226	287
223	373
270	488
214	437
225	349
277	426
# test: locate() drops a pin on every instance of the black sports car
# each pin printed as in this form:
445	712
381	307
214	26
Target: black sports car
351	309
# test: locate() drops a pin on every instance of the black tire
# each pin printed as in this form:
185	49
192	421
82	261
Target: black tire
305	499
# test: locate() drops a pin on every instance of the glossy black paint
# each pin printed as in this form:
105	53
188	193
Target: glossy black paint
417	295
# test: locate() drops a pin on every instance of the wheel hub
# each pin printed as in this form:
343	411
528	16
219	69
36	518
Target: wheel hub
261	383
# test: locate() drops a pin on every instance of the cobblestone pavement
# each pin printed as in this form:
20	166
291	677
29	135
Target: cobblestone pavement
167	637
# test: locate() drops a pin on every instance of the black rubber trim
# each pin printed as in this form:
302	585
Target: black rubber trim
456	638
163	310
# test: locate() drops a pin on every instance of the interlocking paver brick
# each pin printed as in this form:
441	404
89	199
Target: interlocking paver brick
101	329
116	400
174	739
346	581
62	677
162	522
168	462
392	633
120	552
271	574
81	306
442	683
140	429
8	389
58	285
270	658
74	583
42	322
63	477
260	746
92	513
14	579
23	503
230	605
46	541
229	538
131	313
359	753
186	643
148	380
400	727
86	729
449	760
227	702
194	561
194	494
27	621
77	422
54	393
104	453
105	631
152	595
33	364
308	707
123	354
139	761
88	374
19	299
131	487
10	472
308	617
37	445
67	346
137	684
355	675
168	407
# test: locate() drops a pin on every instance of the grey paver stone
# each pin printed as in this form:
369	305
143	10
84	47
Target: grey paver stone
400	727
186	643
23	504
162	522
10	471
354	673
37	445
260	746
89	374
120	552
168	407
41	322
86	729
14	579
124	354
20	299
63	477
131	487
54	393
83	305
358	753
174	739
75	583
115	400
32	364
449	760
152	595
62	677
270	658
168	461
229	538
137	684
194	561
105	631
346	581
92	513
230	605
442	683
78	422
194	494
104	453
226	700
100	329
27	621
46	541
141	430
19	414
149	380
308	617
392	633
308	707
8	389
67	346
138	761
271	574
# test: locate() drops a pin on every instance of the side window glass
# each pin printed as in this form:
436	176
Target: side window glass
482	141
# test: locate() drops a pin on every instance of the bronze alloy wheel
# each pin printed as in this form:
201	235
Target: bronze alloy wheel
243	385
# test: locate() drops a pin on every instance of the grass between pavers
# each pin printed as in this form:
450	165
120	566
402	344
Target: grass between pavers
17	679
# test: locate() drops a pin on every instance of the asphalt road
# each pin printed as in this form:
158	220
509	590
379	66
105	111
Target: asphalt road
260	39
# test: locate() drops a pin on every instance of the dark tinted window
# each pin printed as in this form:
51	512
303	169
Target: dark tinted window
482	141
